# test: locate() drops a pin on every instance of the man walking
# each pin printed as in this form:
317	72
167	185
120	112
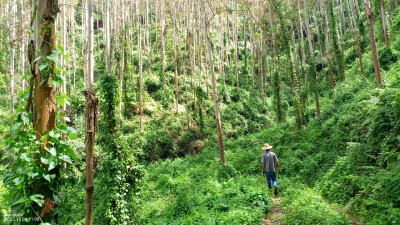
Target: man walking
268	160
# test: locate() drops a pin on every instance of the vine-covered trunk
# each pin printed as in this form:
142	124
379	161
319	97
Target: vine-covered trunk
43	41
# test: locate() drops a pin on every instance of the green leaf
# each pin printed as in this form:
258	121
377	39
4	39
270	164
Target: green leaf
47	177
52	151
24	156
66	158
39	57
43	65
17	181
52	165
21	200
15	128
71	153
32	175
44	161
37	198
72	136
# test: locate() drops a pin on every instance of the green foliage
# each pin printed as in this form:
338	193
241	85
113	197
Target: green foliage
118	168
277	98
305	206
39	162
386	58
199	189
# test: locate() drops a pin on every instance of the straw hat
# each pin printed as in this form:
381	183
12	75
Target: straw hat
267	147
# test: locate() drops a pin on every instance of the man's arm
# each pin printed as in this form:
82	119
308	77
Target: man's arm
263	166
279	165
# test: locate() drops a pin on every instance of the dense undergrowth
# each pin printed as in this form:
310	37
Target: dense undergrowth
340	168
349	156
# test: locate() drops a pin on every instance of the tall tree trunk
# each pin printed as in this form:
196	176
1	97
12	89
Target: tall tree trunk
303	54
222	45
13	46
214	85
370	22
353	15
384	22
107	35
235	38
73	47
91	114
122	69
43	41
163	34
310	46
22	41
139	26
176	60
148	38
297	81
327	41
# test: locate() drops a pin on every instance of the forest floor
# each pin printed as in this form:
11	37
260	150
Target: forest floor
275	214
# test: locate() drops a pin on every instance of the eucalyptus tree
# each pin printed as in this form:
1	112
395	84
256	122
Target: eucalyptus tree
139	39
375	57
163	38
213	82
42	90
235	39
91	117
312	62
384	22
327	43
13	6
353	16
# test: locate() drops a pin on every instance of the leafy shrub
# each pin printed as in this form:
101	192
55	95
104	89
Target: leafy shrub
225	172
386	57
305	206
152	85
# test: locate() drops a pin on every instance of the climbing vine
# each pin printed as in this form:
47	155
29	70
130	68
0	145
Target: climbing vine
119	168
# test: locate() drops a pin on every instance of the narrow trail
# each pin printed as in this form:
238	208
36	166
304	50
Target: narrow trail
275	214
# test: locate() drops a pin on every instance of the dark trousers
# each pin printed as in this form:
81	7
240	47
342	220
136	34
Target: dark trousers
271	176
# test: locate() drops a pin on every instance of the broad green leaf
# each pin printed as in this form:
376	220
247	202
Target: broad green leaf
52	151
52	165
44	161
43	65
66	158
17	181
32	175
37	198
47	177
21	200
72	136
39	57
15	128
25	157
71	153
